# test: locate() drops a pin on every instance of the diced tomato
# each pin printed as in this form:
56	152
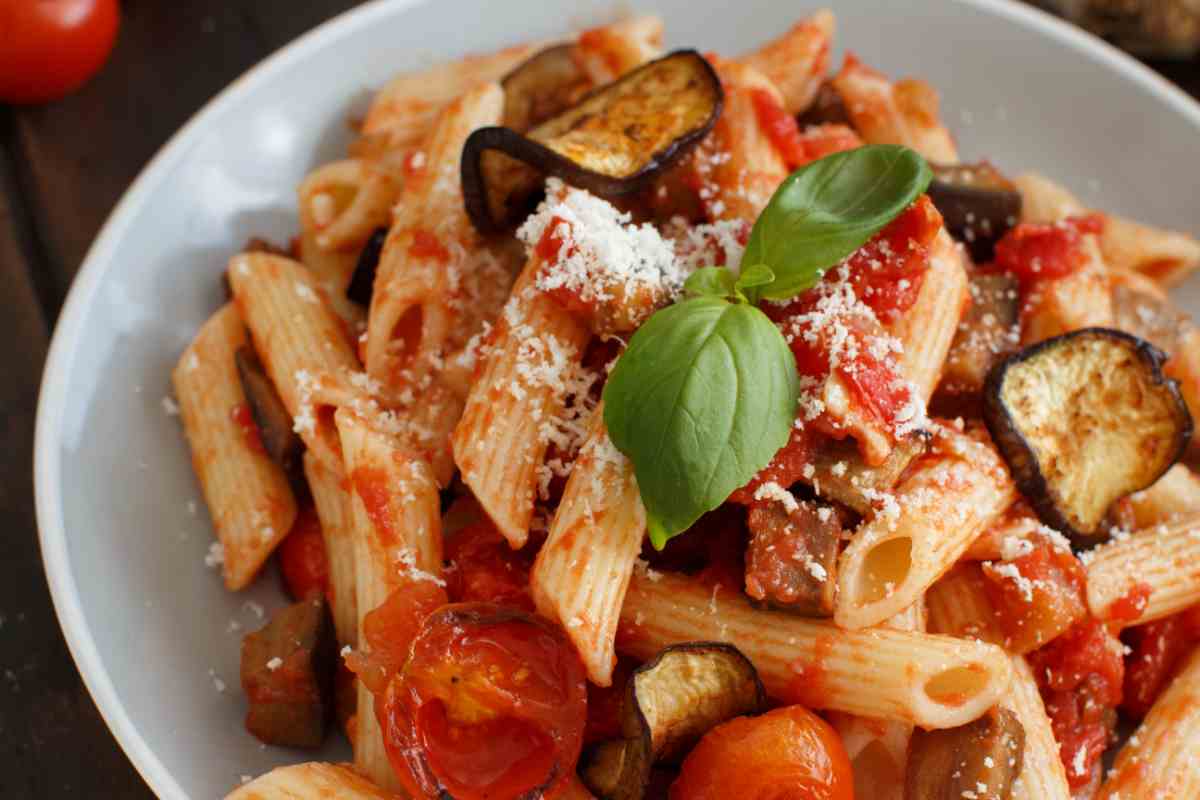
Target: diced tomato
1080	675
389	629
1046	596
302	556
427	245
887	272
1130	605
604	705
492	703
779	126
786	467
786	753
1034	252
1159	648
243	417
482	567
825	140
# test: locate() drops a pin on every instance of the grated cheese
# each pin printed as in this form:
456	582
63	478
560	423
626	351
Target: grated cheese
215	556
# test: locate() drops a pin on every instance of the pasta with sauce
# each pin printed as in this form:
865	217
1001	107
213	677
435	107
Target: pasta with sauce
482	392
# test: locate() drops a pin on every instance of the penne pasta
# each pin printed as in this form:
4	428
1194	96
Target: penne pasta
1146	575
332	501
1043	776
905	112
1159	760
1173	496
959	606
296	335
398	538
922	679
247	494
797	61
582	571
501	441
608	52
1082	299
342	203
312	781
948	498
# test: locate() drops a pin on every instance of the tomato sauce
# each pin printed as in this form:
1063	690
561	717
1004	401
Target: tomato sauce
1080	675
807	685
794	146
302	556
371	484
887	272
426	245
1159	649
788	466
1046	597
244	419
1130	605
1034	252
482	567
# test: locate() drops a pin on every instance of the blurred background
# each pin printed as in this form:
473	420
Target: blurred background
74	133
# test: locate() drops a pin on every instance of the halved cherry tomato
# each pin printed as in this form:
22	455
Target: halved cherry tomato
388	632
302	556
491	704
52	47
483	568
786	754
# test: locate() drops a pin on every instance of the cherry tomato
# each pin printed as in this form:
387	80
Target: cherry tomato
483	568
786	754
52	47
388	632
491	704
302	556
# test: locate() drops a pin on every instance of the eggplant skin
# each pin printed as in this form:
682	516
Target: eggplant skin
274	424
362	281
978	205
1116	426
601	144
541	87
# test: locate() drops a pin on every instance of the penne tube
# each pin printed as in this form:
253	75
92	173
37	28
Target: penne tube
1043	776
582	571
1044	201
959	606
1173	496
333	270
343	202
1147	575
422	307
1159	760
918	678
247	494
797	61
500	442
905	112
878	748
296	335
608	52
332	501
1082	299
927	330
398	538
948	498
312	781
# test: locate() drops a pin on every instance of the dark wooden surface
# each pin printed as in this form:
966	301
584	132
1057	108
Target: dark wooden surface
62	168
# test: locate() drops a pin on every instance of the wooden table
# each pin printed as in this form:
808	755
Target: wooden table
62	168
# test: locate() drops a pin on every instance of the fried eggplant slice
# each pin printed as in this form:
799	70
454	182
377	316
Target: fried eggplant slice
362	281
981	759
791	561
612	143
274	423
842	475
1084	419
670	702
287	672
988	331
978	205
548	83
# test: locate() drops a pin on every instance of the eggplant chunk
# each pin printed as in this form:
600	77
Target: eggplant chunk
827	108
274	423
987	332
670	702
612	143
981	759
288	672
791	561
978	205
548	83
362	282
841	474
1084	419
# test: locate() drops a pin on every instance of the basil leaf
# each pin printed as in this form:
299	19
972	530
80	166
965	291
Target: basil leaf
710	282
749	283
826	210
700	401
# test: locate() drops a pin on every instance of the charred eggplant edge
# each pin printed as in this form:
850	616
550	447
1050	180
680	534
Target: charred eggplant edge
548	162
1019	455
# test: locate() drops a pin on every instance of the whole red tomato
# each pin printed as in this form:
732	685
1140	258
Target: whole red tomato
52	47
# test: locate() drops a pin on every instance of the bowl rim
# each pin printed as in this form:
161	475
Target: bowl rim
53	398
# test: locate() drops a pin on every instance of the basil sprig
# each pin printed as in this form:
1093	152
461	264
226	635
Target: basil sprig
705	394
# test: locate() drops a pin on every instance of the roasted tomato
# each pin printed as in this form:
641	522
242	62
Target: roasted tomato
388	632
481	567
52	47
786	754
491	704
302	556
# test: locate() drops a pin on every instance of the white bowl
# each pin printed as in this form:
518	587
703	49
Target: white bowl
147	623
